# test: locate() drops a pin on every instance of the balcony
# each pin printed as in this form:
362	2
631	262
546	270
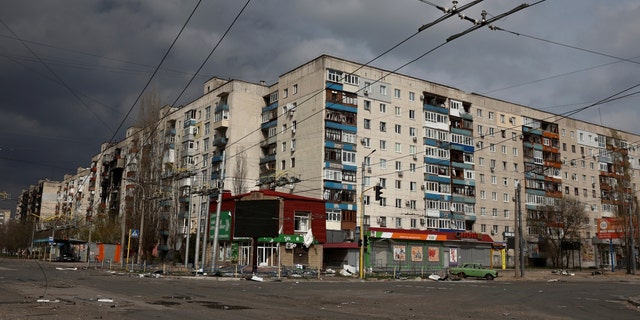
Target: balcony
269	158
220	142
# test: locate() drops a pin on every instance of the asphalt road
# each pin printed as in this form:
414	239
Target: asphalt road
42	290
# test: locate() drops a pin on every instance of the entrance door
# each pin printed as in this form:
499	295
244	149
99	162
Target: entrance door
446	258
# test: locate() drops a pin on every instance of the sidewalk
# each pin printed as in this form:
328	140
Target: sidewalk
549	275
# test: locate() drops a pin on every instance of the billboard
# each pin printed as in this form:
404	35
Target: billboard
610	228
256	218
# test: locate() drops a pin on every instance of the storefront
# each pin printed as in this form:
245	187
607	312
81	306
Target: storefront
423	252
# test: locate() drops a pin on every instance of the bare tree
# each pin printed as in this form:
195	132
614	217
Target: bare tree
105	229
148	167
239	177
15	235
622	195
557	225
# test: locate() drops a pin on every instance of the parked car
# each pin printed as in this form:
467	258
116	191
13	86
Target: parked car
475	270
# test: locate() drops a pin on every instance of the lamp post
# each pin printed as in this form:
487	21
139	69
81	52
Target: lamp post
140	234
361	224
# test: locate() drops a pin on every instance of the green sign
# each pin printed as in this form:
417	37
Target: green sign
292	238
224	230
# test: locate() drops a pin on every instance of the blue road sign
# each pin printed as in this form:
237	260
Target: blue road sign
135	233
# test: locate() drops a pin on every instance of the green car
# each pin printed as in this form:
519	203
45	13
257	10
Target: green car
474	270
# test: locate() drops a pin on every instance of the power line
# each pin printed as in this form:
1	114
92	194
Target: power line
212	51
424	27
164	57
57	77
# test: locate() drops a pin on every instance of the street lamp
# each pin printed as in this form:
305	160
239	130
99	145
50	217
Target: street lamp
361	241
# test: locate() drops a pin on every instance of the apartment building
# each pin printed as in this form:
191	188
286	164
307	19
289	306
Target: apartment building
447	160
449	163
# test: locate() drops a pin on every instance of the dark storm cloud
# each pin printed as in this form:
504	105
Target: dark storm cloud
103	53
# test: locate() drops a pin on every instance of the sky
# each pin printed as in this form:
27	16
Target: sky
71	71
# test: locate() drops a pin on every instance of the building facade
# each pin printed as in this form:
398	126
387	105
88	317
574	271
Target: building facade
447	161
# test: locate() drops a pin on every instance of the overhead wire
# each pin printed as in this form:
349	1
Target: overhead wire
155	71
313	95
412	61
56	76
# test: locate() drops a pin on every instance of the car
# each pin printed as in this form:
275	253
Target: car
475	270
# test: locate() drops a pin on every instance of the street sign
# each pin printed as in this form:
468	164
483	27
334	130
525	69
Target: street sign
135	233
51	239
224	231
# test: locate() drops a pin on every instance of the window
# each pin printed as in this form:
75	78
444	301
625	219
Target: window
383	126
295	88
334	215
397	111
494	212
383	108
383	90
398	129
351	79
348	157
479	113
367	105
302	221
366	142
285	93
383	145
396	93
506	213
367	123
383	163
398	222
412	114
505	197
398	147
412	96
334	75
491	115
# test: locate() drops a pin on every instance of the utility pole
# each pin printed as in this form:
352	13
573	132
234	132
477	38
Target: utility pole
632	256
519	239
216	230
361	223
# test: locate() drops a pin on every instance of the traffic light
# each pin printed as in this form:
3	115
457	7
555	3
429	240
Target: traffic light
359	242
378	190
